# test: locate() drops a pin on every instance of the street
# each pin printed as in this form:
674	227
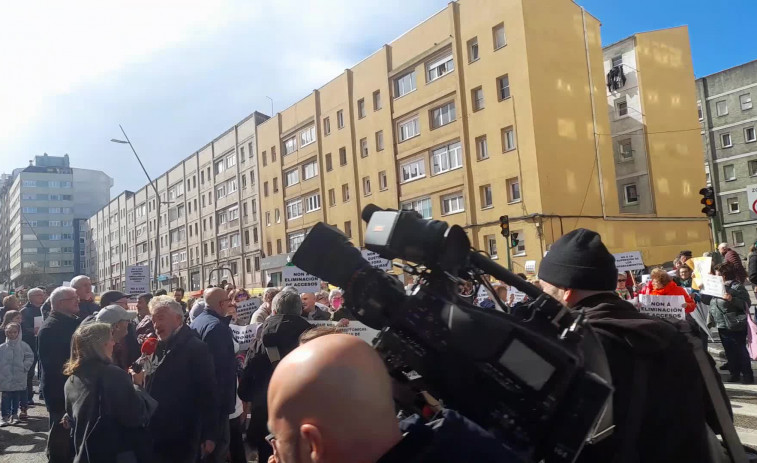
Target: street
25	443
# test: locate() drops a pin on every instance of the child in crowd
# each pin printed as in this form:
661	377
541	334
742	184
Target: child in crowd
16	358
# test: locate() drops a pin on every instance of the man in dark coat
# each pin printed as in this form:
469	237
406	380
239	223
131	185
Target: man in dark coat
54	348
281	331
733	257
29	312
312	310
181	379
83	286
213	328
659	402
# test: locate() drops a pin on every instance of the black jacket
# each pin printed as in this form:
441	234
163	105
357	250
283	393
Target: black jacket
54	350
185	387
28	313
215	332
752	267
100	390
674	409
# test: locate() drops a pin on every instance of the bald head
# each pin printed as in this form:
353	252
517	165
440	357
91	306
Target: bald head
217	300
330	400
308	302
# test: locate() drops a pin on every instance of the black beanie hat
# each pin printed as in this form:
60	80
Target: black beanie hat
579	260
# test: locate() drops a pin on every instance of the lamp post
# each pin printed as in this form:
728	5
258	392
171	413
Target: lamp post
157	203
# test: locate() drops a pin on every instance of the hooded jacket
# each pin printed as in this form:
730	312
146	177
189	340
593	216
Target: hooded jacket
16	357
671	289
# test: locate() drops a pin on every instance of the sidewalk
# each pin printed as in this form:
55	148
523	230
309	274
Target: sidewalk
26	442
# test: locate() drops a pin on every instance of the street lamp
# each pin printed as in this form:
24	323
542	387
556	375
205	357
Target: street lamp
157	202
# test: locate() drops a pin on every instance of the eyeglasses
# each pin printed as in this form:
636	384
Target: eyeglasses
622	281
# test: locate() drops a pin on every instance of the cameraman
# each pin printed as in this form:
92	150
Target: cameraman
330	401
659	403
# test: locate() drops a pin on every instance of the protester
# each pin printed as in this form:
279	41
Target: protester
161	292
733	258
662	284
29	312
183	382
312	310
127	346
213	328
336	299
322	298
730	315
317	332
197	309
11	316
242	295
16	359
621	289
145	328
54	347
105	407
10	303
119	320
83	286
264	311
281	331
178	295
659	401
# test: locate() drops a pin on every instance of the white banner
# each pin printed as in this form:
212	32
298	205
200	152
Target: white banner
243	335
517	295
751	197
663	306
713	285
355	328
376	260
300	280
627	261
245	310
137	279
482	295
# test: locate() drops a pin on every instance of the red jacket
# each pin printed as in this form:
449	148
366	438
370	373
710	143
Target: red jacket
671	289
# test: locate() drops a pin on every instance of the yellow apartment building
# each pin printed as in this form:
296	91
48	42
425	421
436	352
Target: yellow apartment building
491	108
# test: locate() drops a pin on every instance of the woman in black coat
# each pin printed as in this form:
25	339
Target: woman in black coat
106	408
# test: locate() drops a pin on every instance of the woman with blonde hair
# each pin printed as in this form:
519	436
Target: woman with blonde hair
107	409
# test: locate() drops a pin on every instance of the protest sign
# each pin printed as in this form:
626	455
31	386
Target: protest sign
663	306
137	279
355	328
713	285
482	295
376	260
300	280
245	310
700	266
243	335
530	267
628	261
517	295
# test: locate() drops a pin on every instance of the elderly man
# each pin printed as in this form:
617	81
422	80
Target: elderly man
732	257
29	312
312	310
212	326
183	383
126	350
120	321
83	286
278	336
54	347
264	311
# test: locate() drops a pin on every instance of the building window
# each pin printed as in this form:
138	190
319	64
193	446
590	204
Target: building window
508	139
729	173
275	184
413	170
746	101
268	219
621	108
294	240
617	61
473	49
752	168
409	129
453	203
342	156
503	87
278	246
443	115
273	154
421	206
721	108
404	84
307	136
630	193
477	97
310	169
345	193
491	245
363	147
377	100
265	189
733	205
725	140
329	165
361	108
380	140
513	190
265	158
326	126
446	158
230	162
482	149
749	135
366	186
738	237
348	229
290	146
294	209
439	68
291	177
520	246
486	197
332	197
313	202
382	180
625	151
498	33
277	215
699	111
340	119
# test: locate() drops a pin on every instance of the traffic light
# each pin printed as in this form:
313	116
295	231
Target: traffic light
504	225
514	240
708	199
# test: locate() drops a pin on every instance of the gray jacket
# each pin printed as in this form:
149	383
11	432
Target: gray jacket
16	358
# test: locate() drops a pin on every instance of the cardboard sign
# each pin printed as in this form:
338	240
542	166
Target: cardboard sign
627	261
376	260
243	335
530	267
700	266
663	306
517	295
713	285
300	280
245	310
355	328
137	279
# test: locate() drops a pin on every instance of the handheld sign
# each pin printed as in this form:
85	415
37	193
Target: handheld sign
517	294
243	335
663	306
482	295
355	328
300	280
627	261
245	310
376	260
751	197
137	279
713	285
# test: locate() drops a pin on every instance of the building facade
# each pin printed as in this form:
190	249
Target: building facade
42	209
475	114
728	121
205	225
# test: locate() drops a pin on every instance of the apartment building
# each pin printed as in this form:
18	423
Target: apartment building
728	121
42	208
204	221
490	108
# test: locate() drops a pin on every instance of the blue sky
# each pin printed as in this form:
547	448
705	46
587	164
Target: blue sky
178	74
